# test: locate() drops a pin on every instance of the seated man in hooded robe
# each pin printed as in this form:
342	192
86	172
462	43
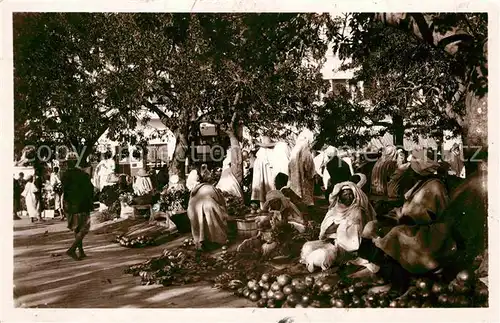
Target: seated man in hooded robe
208	214
277	201
385	166
341	230
419	240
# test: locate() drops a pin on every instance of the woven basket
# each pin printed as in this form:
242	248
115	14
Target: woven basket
247	227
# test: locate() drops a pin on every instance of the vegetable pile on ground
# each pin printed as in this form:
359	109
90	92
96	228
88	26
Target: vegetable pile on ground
148	233
180	266
235	206
174	199
136	242
283	291
188	242
250	277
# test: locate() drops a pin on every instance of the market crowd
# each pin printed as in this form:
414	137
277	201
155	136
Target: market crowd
386	211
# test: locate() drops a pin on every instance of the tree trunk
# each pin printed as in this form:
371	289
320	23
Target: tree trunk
177	166
235	134
475	132
145	157
236	158
399	130
453	40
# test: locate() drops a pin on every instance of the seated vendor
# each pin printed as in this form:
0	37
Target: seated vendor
277	201
207	214
418	240
350	210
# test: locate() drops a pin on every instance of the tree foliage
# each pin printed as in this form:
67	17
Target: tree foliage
94	72
416	83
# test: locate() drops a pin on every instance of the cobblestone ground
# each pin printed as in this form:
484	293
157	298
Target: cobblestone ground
45	277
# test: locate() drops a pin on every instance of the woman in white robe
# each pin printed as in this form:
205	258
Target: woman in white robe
263	174
281	158
105	168
320	162
30	196
342	228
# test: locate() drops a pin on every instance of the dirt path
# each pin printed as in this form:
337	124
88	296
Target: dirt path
45	277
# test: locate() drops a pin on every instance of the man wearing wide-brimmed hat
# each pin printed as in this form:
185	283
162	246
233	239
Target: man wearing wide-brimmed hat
263	180
78	193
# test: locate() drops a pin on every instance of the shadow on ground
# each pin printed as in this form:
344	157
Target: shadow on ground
45	277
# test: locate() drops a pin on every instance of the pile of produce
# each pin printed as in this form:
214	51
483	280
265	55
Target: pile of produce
174	199
173	268
189	242
126	197
182	266
110	196
145	234
235	206
250	277
283	291
135	242
103	216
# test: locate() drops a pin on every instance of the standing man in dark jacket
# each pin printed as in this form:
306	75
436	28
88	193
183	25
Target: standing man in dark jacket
78	203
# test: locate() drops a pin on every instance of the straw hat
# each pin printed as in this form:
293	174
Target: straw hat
142	173
266	142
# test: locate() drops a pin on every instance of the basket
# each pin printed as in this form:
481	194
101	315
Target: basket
247	227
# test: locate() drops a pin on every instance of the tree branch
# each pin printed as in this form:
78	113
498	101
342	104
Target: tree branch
422	27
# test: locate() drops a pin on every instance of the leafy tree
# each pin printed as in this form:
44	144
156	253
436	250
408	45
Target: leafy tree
415	89
77	75
464	37
249	71
80	74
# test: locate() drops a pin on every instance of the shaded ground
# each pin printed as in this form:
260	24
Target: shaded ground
45	277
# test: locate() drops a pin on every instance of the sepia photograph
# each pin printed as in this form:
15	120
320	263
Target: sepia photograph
250	160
